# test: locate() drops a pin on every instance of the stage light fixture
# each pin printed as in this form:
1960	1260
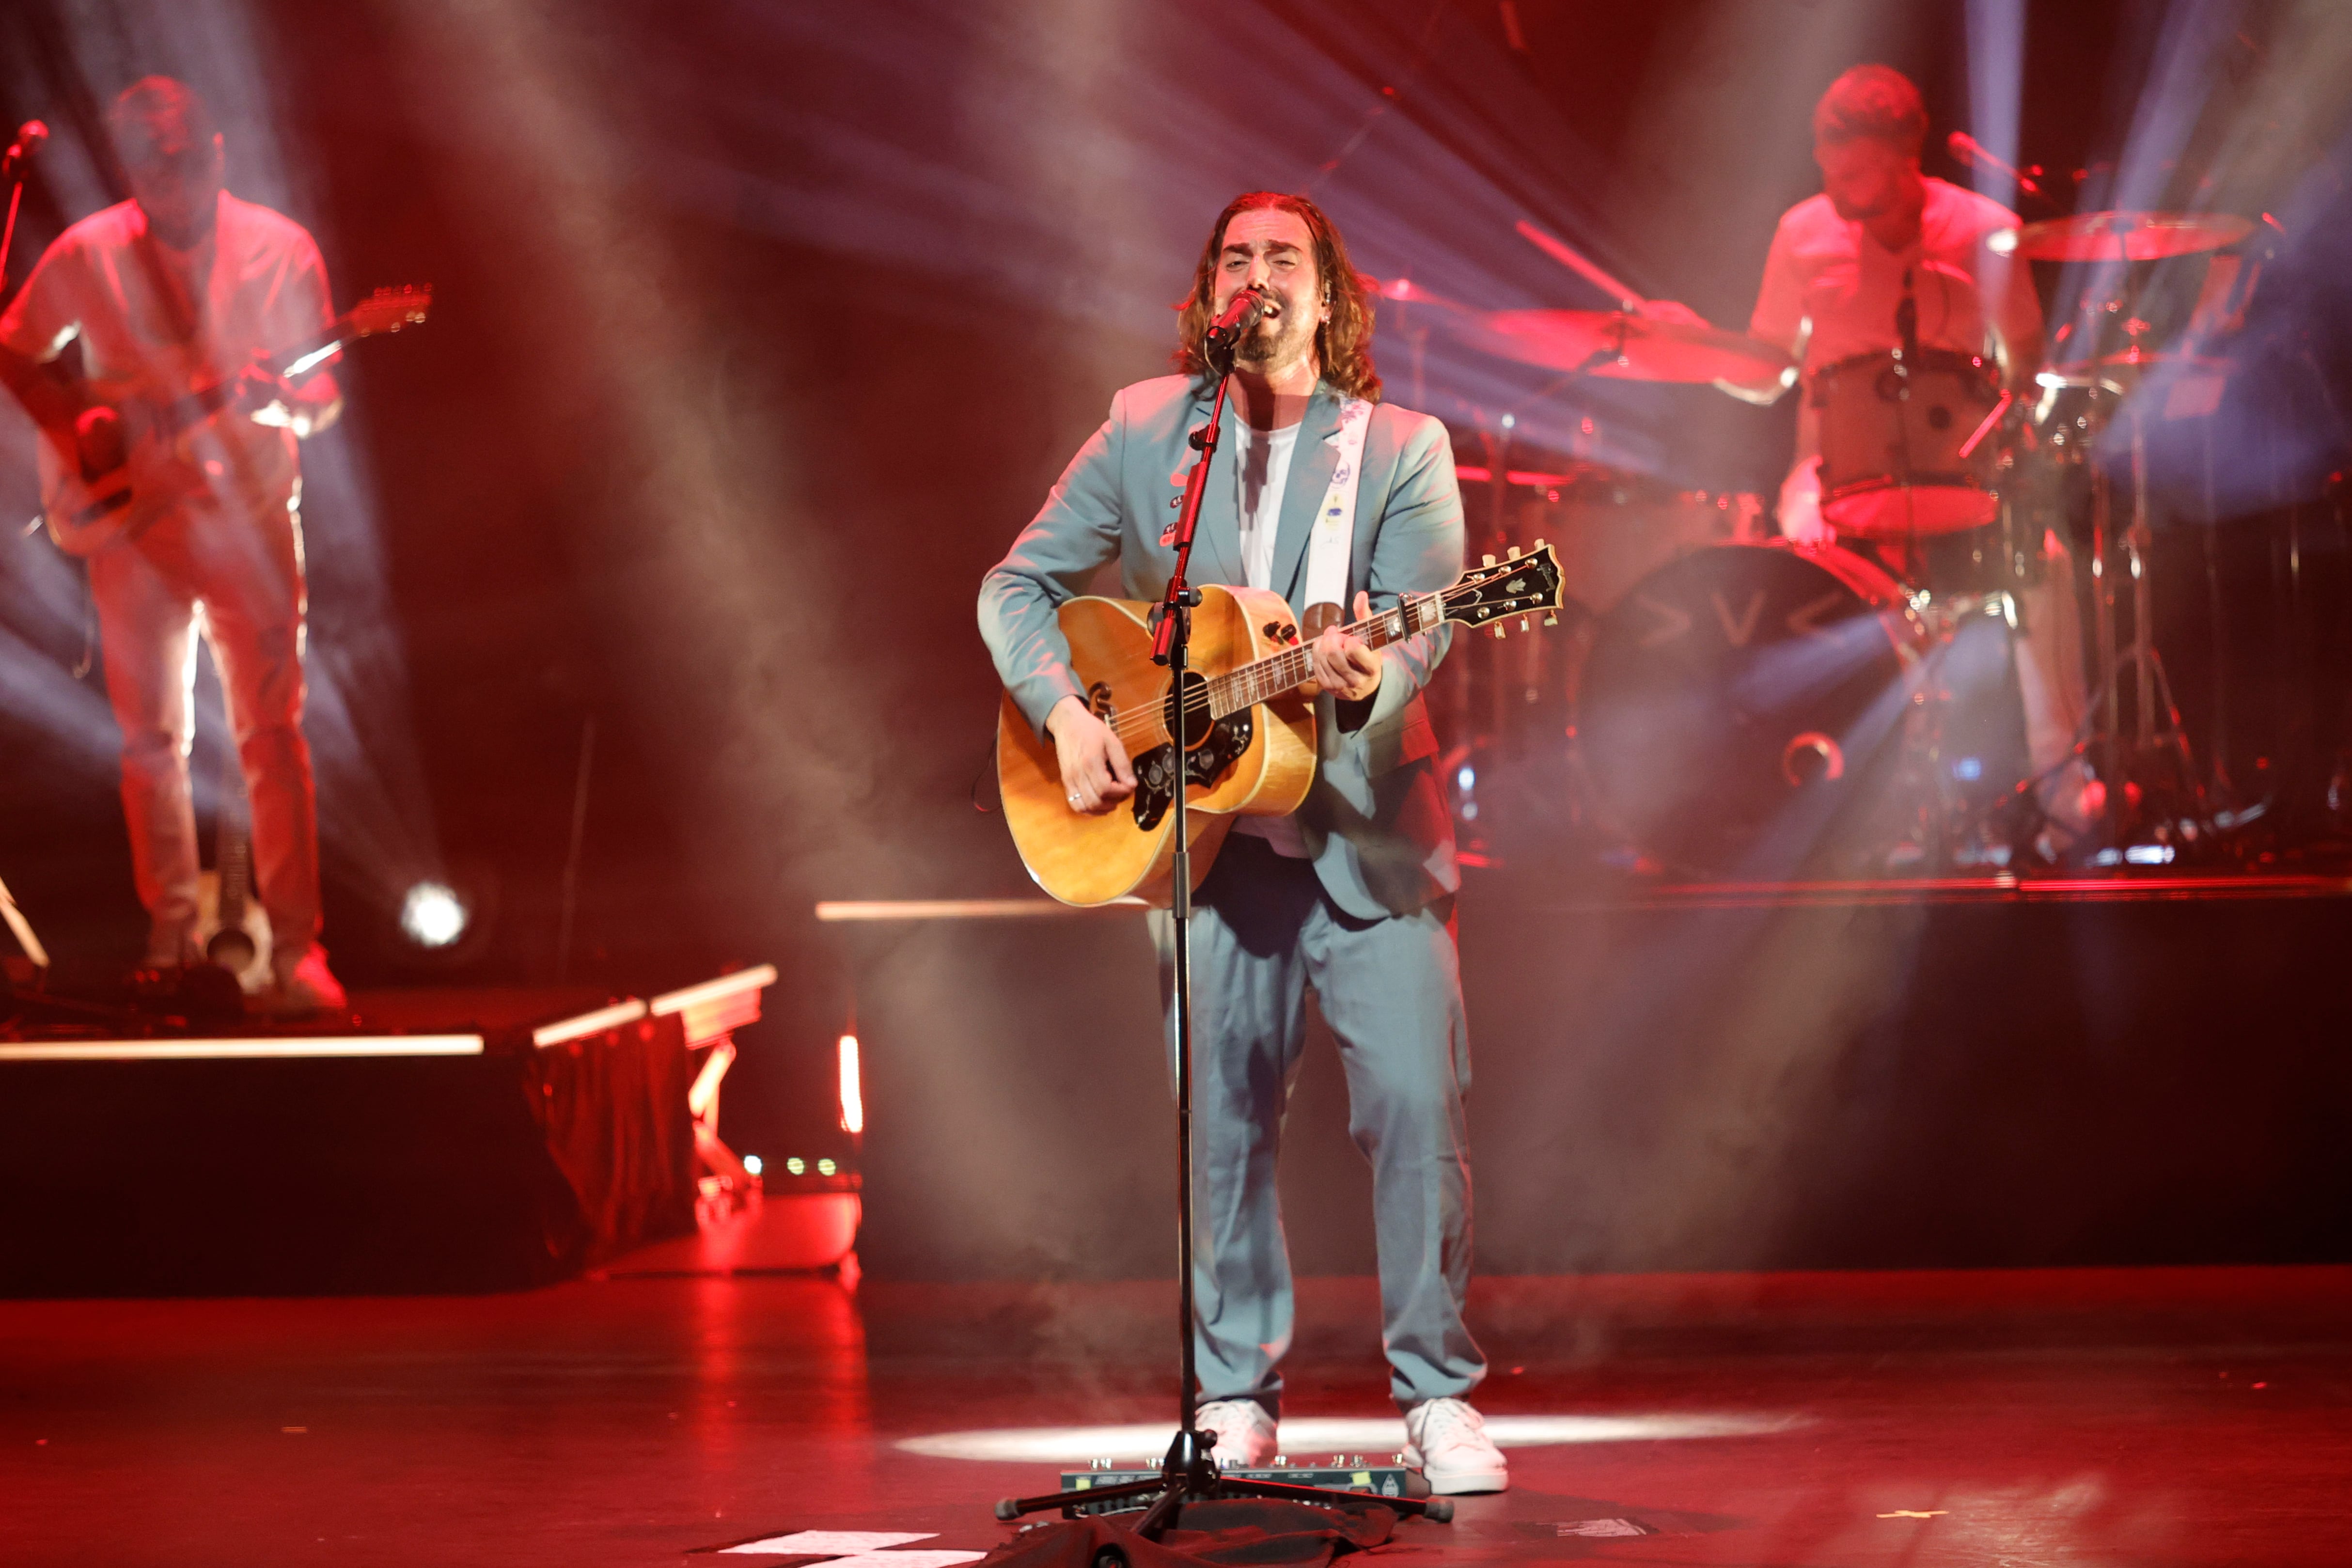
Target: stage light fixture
753	1163
433	915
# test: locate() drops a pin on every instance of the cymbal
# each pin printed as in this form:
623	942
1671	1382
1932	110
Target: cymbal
1405	291
1622	347
2123	371
2122	236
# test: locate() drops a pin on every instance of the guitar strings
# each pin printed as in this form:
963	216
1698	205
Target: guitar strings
1149	723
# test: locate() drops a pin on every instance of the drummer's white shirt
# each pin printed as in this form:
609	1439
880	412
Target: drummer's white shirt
1830	292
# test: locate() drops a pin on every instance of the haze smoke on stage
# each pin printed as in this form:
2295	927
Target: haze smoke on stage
1996	92
1069	170
719	575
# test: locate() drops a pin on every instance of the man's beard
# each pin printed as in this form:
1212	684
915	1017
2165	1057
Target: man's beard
1262	351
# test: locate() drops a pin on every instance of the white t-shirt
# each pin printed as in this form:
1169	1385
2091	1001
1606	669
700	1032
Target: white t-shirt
1830	292
1828	283
1262	471
162	321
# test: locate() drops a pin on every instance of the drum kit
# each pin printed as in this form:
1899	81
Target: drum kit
1727	703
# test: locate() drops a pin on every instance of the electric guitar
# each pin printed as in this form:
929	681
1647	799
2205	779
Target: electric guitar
90	510
1251	730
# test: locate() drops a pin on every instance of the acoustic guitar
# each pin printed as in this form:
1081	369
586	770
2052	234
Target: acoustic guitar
88	511
1250	727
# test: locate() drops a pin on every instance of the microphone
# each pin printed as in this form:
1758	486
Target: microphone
1241	313
29	137
1974	153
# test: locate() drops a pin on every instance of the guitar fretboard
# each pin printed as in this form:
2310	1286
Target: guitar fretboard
1272	676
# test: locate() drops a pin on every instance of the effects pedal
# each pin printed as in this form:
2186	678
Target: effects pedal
1342	1472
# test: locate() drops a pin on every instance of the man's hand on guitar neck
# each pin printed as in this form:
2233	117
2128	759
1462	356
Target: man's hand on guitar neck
1347	667
1095	774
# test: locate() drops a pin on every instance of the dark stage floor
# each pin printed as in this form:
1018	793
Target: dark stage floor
2141	1417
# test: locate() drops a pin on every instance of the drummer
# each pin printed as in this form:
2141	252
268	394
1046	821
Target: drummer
1841	266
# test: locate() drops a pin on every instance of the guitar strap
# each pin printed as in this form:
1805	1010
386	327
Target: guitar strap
182	311
1335	519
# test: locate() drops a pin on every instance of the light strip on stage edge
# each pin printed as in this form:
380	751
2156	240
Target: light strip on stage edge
281	1045
587	1024
1048	1444
726	985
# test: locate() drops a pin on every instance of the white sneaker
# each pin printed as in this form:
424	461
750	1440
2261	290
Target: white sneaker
307	985
1245	1433
1446	1441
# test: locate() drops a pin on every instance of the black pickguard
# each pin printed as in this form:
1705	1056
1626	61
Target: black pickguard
1155	790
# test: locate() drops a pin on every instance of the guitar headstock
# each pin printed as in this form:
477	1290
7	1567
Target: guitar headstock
1489	594
390	309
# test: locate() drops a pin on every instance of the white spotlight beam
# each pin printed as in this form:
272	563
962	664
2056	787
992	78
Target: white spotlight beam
1048	1444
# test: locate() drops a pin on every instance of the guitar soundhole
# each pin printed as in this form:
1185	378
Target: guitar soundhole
1196	695
1155	770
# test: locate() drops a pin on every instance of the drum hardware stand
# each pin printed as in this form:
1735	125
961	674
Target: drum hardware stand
2152	748
1189	1472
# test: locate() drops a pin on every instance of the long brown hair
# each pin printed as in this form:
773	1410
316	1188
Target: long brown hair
1342	345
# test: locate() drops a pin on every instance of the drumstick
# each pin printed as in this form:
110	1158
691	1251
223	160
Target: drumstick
1567	256
1969	447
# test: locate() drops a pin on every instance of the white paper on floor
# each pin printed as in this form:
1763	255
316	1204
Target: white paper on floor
837	1543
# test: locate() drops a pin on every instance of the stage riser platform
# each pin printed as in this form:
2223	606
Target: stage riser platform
369	1174
1831	1084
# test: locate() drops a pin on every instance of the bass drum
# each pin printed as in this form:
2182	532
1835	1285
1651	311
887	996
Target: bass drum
1743	711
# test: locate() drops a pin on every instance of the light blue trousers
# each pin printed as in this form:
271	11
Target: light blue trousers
1390	991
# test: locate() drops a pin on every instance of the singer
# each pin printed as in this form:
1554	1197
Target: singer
1888	258
180	286
1353	894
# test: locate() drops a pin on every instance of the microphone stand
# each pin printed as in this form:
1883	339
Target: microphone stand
12	169
1189	1472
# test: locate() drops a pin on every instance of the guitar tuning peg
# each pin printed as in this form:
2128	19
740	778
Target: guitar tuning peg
1500	630
1487	561
1525	625
1540	544
1551	620
1513	552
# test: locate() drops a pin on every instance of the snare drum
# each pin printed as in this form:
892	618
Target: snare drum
1892	432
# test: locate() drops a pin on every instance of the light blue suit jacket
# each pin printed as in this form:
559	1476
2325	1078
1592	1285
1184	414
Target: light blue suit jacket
1375	820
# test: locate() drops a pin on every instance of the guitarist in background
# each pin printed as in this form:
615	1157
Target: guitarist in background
1353	894
175	289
